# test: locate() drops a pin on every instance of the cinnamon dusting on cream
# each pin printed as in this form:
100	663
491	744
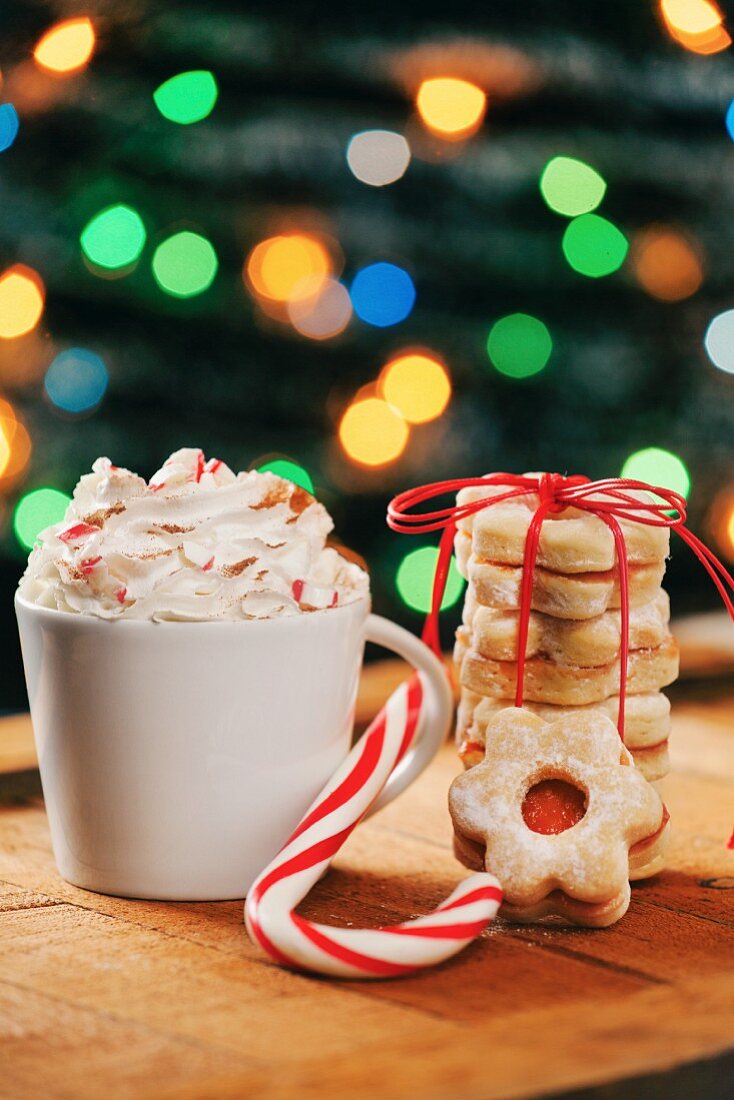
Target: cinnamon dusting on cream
99	518
276	496
237	568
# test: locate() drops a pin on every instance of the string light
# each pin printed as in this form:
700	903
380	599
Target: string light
594	246
730	119
666	264
76	380
66	47
571	187
37	510
417	385
291	471
414	580
113	238
22	295
373	433
288	268
695	24
378	157
719	341
658	467
187	97
9	125
323	315
185	264
382	294
450	107
519	345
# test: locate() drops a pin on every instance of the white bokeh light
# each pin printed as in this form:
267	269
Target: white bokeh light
719	341
323	315
378	157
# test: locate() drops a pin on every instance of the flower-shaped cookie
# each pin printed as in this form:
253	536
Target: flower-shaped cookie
554	811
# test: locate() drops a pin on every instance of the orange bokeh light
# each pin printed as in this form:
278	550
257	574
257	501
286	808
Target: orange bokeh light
666	264
4	448
711	42
721	521
417	385
690	16
67	46
22	295
373	433
450	107
15	445
287	268
695	24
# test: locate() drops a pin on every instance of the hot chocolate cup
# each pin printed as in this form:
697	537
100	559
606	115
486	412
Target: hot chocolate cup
177	757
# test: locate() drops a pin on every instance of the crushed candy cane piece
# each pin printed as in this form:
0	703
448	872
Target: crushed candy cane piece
89	564
78	531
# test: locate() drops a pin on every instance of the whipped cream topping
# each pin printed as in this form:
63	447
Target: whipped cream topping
196	542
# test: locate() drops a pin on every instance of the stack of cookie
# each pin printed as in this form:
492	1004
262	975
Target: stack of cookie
572	657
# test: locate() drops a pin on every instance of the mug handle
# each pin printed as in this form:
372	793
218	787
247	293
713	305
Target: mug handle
436	711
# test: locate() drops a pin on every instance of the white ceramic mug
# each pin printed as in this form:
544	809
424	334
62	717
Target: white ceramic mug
176	757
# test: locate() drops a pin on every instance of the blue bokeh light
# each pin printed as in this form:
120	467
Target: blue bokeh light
9	124
730	120
76	380
382	294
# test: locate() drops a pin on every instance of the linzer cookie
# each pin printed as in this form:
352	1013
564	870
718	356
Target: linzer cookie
581	642
571	540
646	731
564	595
558	812
545	681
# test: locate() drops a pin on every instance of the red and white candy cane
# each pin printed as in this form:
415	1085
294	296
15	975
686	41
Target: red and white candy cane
367	952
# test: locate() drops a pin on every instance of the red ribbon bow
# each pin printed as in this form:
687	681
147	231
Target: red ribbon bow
610	500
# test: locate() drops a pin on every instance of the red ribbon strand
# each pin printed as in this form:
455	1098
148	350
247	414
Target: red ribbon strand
611	500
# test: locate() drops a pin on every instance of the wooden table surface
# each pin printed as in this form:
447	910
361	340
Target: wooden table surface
104	997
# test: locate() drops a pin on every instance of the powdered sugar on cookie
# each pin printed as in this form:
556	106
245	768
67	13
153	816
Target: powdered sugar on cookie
587	864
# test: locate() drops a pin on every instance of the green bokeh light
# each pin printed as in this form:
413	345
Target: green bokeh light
38	509
594	246
571	187
114	237
414	580
187	97
519	345
185	264
658	467
283	467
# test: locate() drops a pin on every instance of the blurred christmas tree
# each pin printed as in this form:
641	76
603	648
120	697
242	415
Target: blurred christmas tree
384	244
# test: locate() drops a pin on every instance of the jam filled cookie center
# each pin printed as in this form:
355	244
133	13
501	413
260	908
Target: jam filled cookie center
553	806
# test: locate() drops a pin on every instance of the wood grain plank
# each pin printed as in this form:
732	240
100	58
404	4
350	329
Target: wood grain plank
88	979
56	1050
524	1055
190	991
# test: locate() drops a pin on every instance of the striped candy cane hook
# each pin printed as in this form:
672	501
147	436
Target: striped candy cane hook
360	953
